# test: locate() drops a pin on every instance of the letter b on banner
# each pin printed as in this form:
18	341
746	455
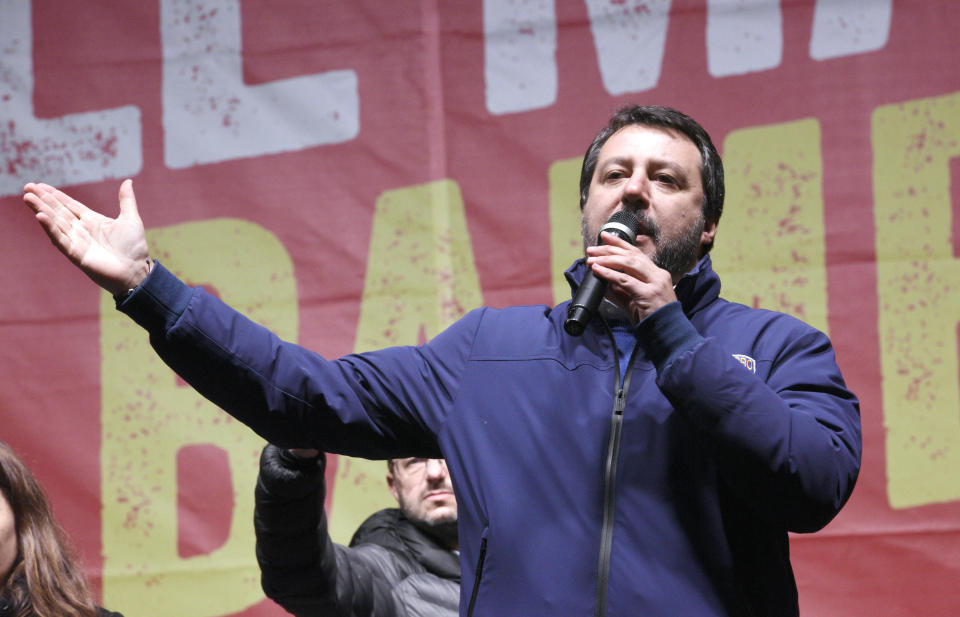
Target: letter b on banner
148	418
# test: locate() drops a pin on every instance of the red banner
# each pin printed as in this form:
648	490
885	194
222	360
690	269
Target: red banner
360	174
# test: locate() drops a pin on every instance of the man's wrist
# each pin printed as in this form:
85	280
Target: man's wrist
665	334
135	281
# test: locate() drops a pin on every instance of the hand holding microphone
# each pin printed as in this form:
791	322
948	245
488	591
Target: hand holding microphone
590	294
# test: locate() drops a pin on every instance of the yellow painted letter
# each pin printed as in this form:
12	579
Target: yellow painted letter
566	245
770	244
148	418
918	287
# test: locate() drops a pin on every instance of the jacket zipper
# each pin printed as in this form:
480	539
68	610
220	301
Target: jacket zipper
477	576
609	481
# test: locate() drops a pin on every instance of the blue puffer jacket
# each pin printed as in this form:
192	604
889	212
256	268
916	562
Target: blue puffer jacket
667	492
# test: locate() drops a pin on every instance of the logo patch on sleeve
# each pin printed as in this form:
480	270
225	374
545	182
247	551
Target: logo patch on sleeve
748	363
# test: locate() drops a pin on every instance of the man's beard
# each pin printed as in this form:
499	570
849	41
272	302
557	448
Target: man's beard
679	255
675	255
443	529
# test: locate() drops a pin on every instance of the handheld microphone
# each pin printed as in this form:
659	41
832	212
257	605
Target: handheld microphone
587	300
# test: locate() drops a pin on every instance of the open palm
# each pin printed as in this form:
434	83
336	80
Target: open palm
113	252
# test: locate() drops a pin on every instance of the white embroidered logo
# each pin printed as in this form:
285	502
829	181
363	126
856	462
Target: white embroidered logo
748	363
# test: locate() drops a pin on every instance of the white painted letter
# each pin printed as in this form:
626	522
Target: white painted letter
520	46
743	36
849	27
209	115
71	149
629	36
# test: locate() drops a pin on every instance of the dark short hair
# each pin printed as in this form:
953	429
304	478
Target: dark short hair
711	168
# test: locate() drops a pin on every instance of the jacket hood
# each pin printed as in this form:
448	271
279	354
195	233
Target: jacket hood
391	529
696	289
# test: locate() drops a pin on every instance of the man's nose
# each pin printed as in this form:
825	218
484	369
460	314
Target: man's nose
436	468
636	190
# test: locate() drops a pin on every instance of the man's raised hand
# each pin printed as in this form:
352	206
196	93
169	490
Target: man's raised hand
112	252
636	283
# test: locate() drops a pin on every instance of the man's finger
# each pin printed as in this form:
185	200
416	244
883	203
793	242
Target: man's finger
54	231
128	201
614	240
67	203
33	202
36	188
44	201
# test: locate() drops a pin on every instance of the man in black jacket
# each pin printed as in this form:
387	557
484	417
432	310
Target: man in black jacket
401	561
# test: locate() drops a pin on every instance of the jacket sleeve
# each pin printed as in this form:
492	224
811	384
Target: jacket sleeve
301	568
377	405
788	443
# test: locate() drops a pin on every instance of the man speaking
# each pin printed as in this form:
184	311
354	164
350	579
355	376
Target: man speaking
652	465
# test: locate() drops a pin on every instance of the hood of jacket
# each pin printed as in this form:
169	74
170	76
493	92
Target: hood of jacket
391	529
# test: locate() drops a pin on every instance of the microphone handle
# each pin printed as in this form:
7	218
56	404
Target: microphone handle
590	294
584	304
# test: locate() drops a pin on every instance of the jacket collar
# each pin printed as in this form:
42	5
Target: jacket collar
391	529
696	289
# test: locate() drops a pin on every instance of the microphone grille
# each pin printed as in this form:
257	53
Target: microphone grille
625	222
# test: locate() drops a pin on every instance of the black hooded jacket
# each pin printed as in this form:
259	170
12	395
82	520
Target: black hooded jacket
391	568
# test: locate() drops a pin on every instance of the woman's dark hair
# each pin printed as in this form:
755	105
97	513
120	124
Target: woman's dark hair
45	580
711	168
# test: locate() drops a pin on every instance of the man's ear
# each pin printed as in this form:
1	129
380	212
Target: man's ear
708	234
392	485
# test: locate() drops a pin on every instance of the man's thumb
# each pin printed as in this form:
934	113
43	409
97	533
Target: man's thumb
128	201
